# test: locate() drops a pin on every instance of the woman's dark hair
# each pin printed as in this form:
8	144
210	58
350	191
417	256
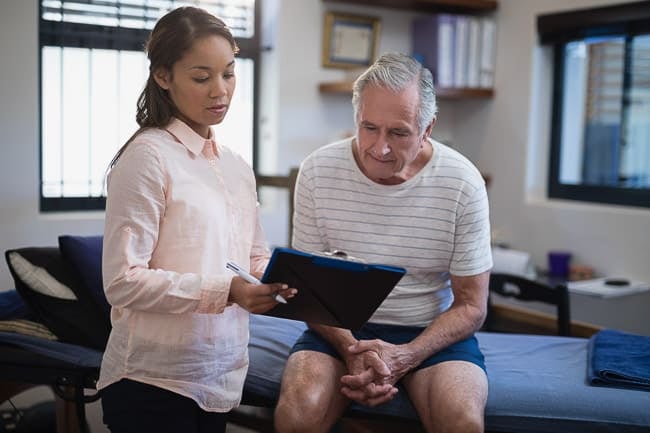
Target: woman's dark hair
171	37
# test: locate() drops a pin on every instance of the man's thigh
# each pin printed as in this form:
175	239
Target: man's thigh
450	390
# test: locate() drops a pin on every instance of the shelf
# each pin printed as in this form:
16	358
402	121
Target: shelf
456	6
464	93
466	6
345	88
341	87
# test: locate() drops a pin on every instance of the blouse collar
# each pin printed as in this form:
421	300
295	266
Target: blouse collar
189	138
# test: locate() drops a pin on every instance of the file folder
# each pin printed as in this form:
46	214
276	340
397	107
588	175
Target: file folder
332	290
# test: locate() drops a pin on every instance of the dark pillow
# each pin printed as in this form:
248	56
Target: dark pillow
84	253
49	286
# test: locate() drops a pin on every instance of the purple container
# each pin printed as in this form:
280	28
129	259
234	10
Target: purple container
558	263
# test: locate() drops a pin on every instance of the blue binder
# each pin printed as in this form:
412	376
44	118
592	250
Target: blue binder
332	289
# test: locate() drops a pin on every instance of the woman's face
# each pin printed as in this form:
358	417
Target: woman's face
201	83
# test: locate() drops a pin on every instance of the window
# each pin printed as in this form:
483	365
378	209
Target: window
92	70
600	131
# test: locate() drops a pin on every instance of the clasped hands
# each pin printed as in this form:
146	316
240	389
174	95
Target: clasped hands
374	367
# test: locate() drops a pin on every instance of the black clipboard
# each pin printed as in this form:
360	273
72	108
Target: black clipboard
332	290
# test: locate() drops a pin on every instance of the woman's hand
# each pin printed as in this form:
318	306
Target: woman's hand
257	298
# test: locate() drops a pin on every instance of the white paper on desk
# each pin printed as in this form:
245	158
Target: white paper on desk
597	287
508	261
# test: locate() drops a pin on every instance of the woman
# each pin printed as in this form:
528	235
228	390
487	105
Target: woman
179	206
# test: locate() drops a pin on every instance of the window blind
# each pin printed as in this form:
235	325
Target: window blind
239	15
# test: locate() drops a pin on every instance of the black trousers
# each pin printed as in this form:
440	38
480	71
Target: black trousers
133	407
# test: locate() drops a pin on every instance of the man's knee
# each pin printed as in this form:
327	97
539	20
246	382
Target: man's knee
468	422
302	410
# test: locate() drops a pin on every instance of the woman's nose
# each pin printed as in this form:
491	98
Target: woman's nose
218	88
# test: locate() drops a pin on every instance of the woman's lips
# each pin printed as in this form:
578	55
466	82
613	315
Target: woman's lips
217	109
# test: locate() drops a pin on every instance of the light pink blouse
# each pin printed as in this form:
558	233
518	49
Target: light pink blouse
178	208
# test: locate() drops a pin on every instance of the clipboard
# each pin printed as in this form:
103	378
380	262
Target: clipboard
332	290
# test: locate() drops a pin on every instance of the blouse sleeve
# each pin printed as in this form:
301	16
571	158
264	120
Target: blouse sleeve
135	205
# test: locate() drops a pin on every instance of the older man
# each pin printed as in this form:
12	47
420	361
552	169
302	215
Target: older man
391	194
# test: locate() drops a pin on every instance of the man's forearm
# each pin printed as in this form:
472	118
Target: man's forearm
340	338
456	324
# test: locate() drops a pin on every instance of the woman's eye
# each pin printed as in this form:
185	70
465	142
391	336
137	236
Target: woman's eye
200	79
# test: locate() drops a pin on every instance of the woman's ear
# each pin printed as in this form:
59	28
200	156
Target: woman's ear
162	77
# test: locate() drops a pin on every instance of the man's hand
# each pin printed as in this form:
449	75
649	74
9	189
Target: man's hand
366	381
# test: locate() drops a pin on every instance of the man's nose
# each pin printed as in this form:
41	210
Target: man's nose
381	147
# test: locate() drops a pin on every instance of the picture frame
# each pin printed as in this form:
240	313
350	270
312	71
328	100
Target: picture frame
349	41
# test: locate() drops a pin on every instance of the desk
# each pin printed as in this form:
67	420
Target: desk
627	313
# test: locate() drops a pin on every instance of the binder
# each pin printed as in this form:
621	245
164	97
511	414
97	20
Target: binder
488	53
474	52
461	47
433	44
332	290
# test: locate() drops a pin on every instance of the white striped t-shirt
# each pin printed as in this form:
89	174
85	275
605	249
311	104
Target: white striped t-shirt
433	224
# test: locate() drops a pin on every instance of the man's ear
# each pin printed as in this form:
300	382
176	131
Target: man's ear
427	132
162	77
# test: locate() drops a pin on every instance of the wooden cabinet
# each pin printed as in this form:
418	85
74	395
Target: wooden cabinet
454	6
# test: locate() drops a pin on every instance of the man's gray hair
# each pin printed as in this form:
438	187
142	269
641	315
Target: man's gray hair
397	71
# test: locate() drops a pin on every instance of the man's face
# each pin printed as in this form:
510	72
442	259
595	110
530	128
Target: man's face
388	138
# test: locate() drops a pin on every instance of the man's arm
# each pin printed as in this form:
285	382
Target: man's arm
465	316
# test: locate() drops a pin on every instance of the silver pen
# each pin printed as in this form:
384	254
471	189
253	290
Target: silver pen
251	279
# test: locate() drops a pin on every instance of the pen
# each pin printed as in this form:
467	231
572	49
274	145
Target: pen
251	279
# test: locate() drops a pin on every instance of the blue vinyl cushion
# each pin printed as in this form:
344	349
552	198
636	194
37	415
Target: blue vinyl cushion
12	306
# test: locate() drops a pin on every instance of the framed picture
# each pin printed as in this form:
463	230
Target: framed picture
349	41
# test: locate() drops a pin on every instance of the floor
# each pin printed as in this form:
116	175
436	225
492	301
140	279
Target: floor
237	429
93	410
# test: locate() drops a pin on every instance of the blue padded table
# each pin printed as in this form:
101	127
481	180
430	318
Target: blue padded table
538	384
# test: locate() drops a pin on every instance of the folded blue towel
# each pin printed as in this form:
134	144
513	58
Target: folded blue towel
619	359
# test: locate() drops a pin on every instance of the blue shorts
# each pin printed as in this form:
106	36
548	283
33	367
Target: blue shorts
465	350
